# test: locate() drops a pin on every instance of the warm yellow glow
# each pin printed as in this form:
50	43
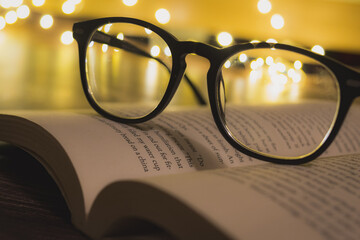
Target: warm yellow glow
107	28
2	22
273	91
280	67
297	64
224	39
253	65
38	3
151	78
162	16
271	40
277	21
67	38
264	6
148	31
46	21
23	12
243	58
75	2
227	64
254	41
5	4
260	62
155	51
129	3
294	75
318	49
104	48
11	17
10	3
269	60
167	51
120	36
255	75
68	7
291	72
279	79
16	3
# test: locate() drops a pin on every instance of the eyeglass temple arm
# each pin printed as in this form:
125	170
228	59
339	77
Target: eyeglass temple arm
101	37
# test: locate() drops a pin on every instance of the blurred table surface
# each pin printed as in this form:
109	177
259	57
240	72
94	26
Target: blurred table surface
31	205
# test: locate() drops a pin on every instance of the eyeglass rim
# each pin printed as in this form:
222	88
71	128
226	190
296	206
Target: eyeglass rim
83	31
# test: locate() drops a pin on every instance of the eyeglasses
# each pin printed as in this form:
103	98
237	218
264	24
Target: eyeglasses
265	98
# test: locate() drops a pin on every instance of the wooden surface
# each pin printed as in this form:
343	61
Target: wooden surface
31	206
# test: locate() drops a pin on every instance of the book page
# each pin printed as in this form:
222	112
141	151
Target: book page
320	200
103	151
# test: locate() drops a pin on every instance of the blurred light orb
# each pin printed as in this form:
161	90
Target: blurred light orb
167	51
148	31
2	22
38	3
68	7
16	3
264	6
297	65
224	39
5	4
46	21
104	48
107	27
271	40
120	36
155	51
67	37
75	2
269	60
260	62
129	3
162	16
277	21
318	49
280	67
243	57
227	64
11	17
23	11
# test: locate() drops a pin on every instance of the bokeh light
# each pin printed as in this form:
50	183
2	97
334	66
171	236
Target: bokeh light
23	11
38	3
297	65
2	22
224	39
46	21
264	6
318	49
67	37
277	21
11	17
68	7
243	57
129	3
155	51
162	16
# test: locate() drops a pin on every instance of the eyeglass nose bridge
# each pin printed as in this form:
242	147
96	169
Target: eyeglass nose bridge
201	49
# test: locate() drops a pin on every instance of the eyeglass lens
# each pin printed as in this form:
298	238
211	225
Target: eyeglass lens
128	77
274	99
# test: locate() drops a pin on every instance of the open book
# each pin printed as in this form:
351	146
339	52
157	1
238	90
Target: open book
176	172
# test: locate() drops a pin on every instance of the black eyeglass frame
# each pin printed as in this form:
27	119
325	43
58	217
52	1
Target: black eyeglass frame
348	80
